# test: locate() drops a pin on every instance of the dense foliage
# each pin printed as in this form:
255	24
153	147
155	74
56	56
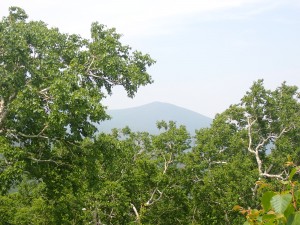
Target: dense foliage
55	169
277	207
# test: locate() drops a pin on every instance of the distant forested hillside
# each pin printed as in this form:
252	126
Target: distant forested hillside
144	118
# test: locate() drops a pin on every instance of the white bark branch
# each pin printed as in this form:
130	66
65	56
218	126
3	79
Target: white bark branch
249	134
152	200
32	136
218	162
39	135
138	218
255	150
3	113
167	162
4	110
88	69
47	160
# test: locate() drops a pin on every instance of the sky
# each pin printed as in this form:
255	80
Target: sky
208	52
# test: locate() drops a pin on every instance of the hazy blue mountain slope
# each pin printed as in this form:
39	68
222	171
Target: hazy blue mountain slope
144	118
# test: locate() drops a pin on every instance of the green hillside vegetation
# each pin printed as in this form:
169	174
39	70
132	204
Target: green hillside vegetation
55	169
144	118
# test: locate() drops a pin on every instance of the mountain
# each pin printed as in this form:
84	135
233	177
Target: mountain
144	118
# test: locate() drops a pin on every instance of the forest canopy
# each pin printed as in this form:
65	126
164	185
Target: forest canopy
54	169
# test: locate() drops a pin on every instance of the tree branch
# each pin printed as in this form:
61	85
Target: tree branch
152	200
88	69
32	136
3	109
138	218
44	93
249	134
262	143
167	162
218	162
39	135
46	160
3	113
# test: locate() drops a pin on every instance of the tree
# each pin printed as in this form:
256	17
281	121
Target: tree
51	89
281	207
248	142
53	167
52	85
219	174
148	169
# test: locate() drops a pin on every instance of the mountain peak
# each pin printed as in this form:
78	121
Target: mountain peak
144	118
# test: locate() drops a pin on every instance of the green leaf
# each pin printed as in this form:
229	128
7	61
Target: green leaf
294	219
289	211
292	173
269	222
269	217
297	194
266	200
281	202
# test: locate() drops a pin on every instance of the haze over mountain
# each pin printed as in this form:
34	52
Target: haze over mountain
144	118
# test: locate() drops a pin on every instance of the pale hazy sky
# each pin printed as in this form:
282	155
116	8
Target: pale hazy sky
208	52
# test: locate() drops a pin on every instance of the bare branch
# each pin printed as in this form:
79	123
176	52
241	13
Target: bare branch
257	148
3	112
222	149
32	136
218	162
46	160
39	135
111	214
42	131
277	176
44	93
167	162
152	200
138	218
254	190
270	137
3	109
45	90
105	78
58	163
249	134
88	69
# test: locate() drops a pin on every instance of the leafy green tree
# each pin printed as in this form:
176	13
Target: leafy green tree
149	169
54	168
51	89
277	207
27	206
219	174
166	201
127	177
248	142
52	85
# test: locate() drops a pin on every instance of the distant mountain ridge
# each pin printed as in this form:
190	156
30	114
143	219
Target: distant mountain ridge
144	118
